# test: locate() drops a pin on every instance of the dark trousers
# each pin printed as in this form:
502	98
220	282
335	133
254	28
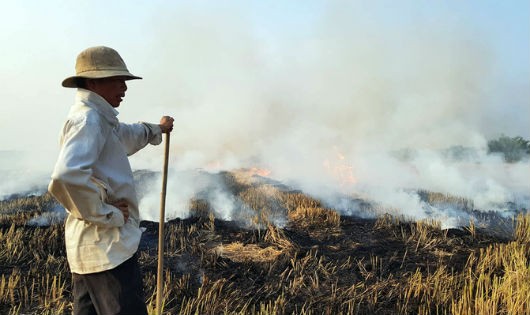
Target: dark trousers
115	291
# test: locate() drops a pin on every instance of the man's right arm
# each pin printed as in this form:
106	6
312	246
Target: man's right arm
72	183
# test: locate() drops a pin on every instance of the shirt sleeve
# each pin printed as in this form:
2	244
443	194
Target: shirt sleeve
72	181
135	137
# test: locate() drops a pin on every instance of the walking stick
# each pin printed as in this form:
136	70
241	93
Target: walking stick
160	273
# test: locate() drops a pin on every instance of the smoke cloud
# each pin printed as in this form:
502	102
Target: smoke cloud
351	105
316	111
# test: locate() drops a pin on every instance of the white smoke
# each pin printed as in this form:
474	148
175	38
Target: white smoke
24	173
319	103
182	187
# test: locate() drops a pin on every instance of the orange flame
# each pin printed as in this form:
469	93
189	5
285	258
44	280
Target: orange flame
340	169
259	171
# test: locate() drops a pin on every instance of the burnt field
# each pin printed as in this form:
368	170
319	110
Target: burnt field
316	262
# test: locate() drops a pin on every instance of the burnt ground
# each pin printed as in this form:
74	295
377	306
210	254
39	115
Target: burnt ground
359	251
317	263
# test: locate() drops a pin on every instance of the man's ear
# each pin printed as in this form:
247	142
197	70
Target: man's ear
91	84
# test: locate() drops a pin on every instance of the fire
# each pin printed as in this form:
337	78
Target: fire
340	169
259	171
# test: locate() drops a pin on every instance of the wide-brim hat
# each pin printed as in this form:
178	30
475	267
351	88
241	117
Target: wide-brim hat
97	63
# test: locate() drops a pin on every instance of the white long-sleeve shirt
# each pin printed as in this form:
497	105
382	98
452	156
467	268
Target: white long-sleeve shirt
92	171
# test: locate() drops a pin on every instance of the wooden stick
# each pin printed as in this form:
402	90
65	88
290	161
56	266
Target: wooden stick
160	273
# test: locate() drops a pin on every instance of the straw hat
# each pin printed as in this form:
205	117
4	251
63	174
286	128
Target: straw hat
96	63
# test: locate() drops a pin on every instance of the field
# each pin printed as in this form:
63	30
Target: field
318	263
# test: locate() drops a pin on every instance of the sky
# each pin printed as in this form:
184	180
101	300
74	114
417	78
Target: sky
284	84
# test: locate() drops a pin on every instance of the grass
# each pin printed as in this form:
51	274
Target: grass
318	263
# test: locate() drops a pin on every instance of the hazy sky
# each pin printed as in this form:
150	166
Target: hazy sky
294	85
40	40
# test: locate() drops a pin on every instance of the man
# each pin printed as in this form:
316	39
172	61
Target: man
93	180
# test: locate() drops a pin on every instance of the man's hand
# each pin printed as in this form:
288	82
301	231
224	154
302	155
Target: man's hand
166	124
123	206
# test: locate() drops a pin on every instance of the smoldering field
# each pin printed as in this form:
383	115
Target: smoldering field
281	251
485	184
343	237
342	172
404	231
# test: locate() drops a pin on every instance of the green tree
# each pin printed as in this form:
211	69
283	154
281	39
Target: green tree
514	149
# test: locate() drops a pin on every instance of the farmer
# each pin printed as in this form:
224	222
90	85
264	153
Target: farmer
93	180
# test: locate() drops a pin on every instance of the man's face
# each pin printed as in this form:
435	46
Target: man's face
111	89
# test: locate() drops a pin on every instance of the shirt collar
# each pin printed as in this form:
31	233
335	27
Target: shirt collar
95	101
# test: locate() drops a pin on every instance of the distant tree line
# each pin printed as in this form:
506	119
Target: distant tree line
514	149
